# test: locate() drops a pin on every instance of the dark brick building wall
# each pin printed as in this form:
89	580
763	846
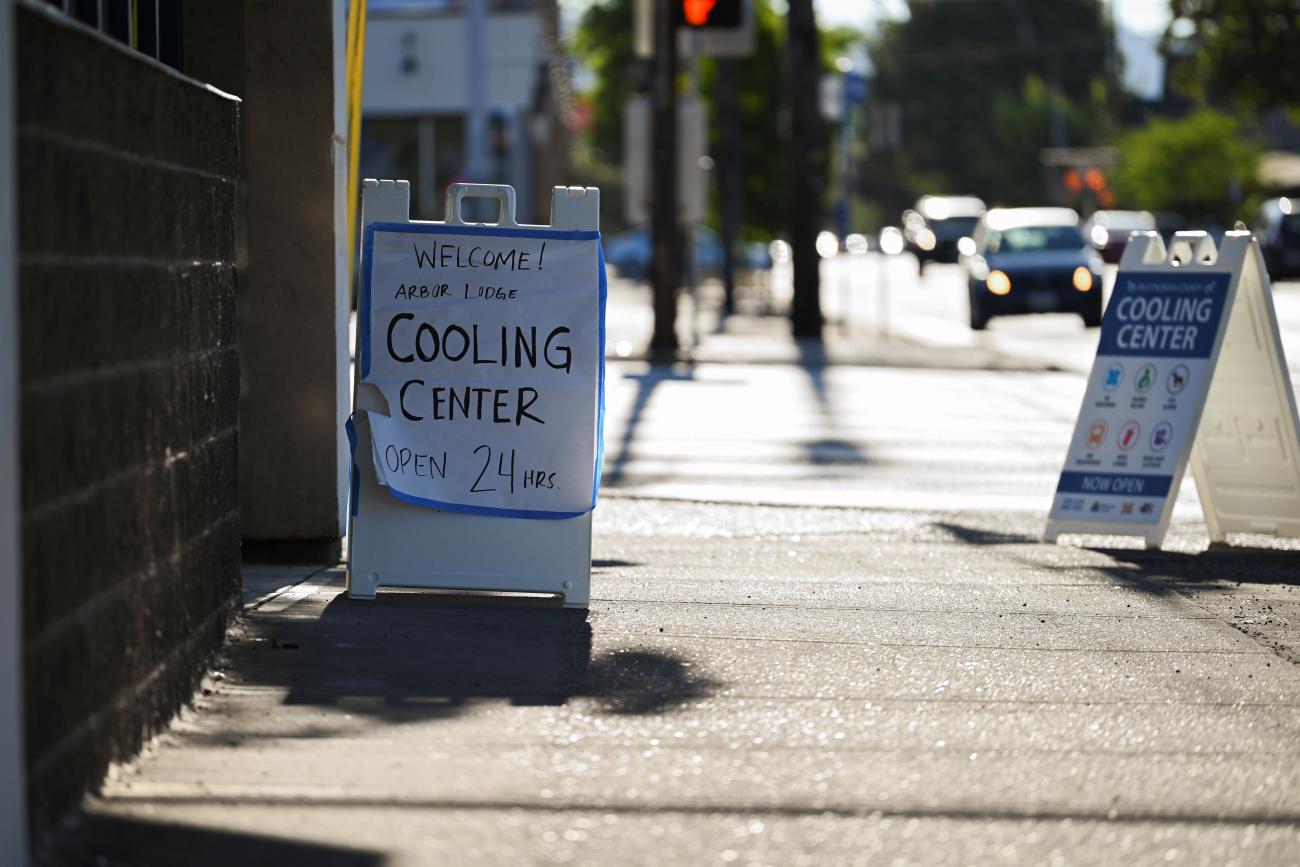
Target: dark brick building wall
129	396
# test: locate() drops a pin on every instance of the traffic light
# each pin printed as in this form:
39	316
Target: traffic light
710	14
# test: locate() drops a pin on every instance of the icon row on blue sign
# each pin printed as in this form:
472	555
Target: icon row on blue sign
1130	434
1080	504
1146	377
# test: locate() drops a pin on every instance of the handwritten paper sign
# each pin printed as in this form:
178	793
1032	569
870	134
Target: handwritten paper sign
488	345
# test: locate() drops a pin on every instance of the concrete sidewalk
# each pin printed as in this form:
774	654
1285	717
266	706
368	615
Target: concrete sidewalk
753	685
760	683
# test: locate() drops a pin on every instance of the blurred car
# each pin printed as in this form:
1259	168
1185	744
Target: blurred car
1109	230
754	256
1278	230
630	253
856	244
1169	223
933	228
1032	260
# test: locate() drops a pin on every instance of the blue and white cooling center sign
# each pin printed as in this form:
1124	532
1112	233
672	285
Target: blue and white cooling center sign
488	346
1144	397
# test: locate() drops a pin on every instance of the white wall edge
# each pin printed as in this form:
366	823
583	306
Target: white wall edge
342	289
13	805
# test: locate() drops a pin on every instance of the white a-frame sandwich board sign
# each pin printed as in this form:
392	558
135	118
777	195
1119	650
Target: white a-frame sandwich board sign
478	396
1189	365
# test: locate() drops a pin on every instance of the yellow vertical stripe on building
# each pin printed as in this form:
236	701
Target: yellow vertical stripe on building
351	47
355	76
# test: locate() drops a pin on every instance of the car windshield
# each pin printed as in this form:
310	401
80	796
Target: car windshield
1121	221
954	227
1026	239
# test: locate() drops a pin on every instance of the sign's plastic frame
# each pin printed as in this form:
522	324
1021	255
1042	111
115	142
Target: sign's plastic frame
1245	457
397	544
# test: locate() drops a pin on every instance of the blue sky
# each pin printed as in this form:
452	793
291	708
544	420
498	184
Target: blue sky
1143	16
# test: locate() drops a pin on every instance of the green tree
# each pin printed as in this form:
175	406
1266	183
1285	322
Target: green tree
983	85
1017	125
604	43
764	135
1241	51
1200	166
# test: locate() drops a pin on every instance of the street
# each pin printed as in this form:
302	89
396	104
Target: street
931	309
824	631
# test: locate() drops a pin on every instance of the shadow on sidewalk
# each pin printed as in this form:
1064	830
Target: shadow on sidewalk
112	841
646	383
828	450
407	657
1216	568
980	536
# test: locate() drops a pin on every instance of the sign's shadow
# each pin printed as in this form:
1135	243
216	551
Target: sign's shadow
1214	569
408	656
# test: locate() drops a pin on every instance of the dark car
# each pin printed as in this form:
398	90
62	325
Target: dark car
1032	260
933	228
1109	231
630	253
1278	230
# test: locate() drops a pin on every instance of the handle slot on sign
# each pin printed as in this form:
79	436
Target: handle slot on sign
502	193
468	487
1189	248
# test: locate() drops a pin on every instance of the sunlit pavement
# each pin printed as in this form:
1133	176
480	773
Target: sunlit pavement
864	297
917	411
823	631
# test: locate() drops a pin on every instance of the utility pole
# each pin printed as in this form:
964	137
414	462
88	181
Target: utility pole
554	100
476	90
805	164
665	250
730	175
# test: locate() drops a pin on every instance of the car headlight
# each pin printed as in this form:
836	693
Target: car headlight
1082	279
891	241
827	244
998	282
1100	236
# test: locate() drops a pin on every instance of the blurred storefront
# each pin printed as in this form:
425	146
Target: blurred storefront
424	82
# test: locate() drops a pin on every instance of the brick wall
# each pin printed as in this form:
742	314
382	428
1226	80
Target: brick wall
129	396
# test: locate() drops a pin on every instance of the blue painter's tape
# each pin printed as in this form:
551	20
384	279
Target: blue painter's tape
354	497
1114	484
483	510
600	407
363	303
489	231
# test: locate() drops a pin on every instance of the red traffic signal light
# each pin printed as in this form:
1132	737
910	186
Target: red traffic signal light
710	14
